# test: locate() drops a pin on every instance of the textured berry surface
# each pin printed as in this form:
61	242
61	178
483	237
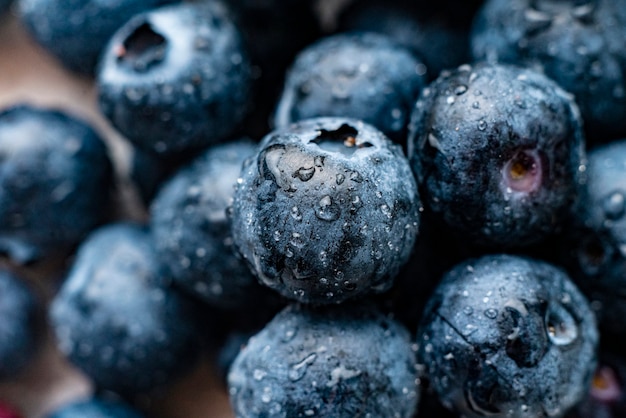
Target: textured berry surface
18	327
344	361
76	31
579	44
498	152
192	233
116	320
175	79
364	76
55	179
326	210
506	336
597	255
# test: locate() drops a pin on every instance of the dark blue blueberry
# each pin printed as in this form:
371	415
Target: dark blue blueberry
55	181
76	31
192	233
578	43
506	336
597	247
116	319
18	324
429	34
175	79
326	210
498	152
364	76
95	408
342	361
606	397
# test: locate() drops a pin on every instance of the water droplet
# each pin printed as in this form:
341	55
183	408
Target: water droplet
491	313
259	374
277	235
295	213
318	161
561	326
482	125
304	173
468	310
356	177
340	178
326	210
386	211
614	205
450	100
459	90
476	105
266	396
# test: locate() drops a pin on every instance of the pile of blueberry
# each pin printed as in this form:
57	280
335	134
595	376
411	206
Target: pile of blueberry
408	210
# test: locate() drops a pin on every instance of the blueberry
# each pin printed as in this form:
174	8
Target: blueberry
364	76
175	79
326	210
18	325
498	152
76	31
577	43
343	361
116	319
95	408
429	34
606	397
597	248
507	336
55	179
192	233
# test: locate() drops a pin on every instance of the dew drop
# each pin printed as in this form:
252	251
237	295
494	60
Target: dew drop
327	210
482	125
491	313
305	173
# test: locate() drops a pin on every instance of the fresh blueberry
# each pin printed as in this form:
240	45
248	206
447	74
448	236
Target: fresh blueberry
579	44
342	361
116	319
18	324
175	79
506	336
498	152
364	76
55	181
326	210
606	397
192	232
95	408
76	31
429	34
597	247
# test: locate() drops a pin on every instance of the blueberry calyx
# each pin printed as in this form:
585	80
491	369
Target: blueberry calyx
342	140
523	173
142	49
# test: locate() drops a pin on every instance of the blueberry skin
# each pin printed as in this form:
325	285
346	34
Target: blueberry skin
364	76
596	247
95	408
340	361
18	325
606	397
175	79
498	152
116	319
55	182
327	210
508	336
579	44
192	233
430	35
76	31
